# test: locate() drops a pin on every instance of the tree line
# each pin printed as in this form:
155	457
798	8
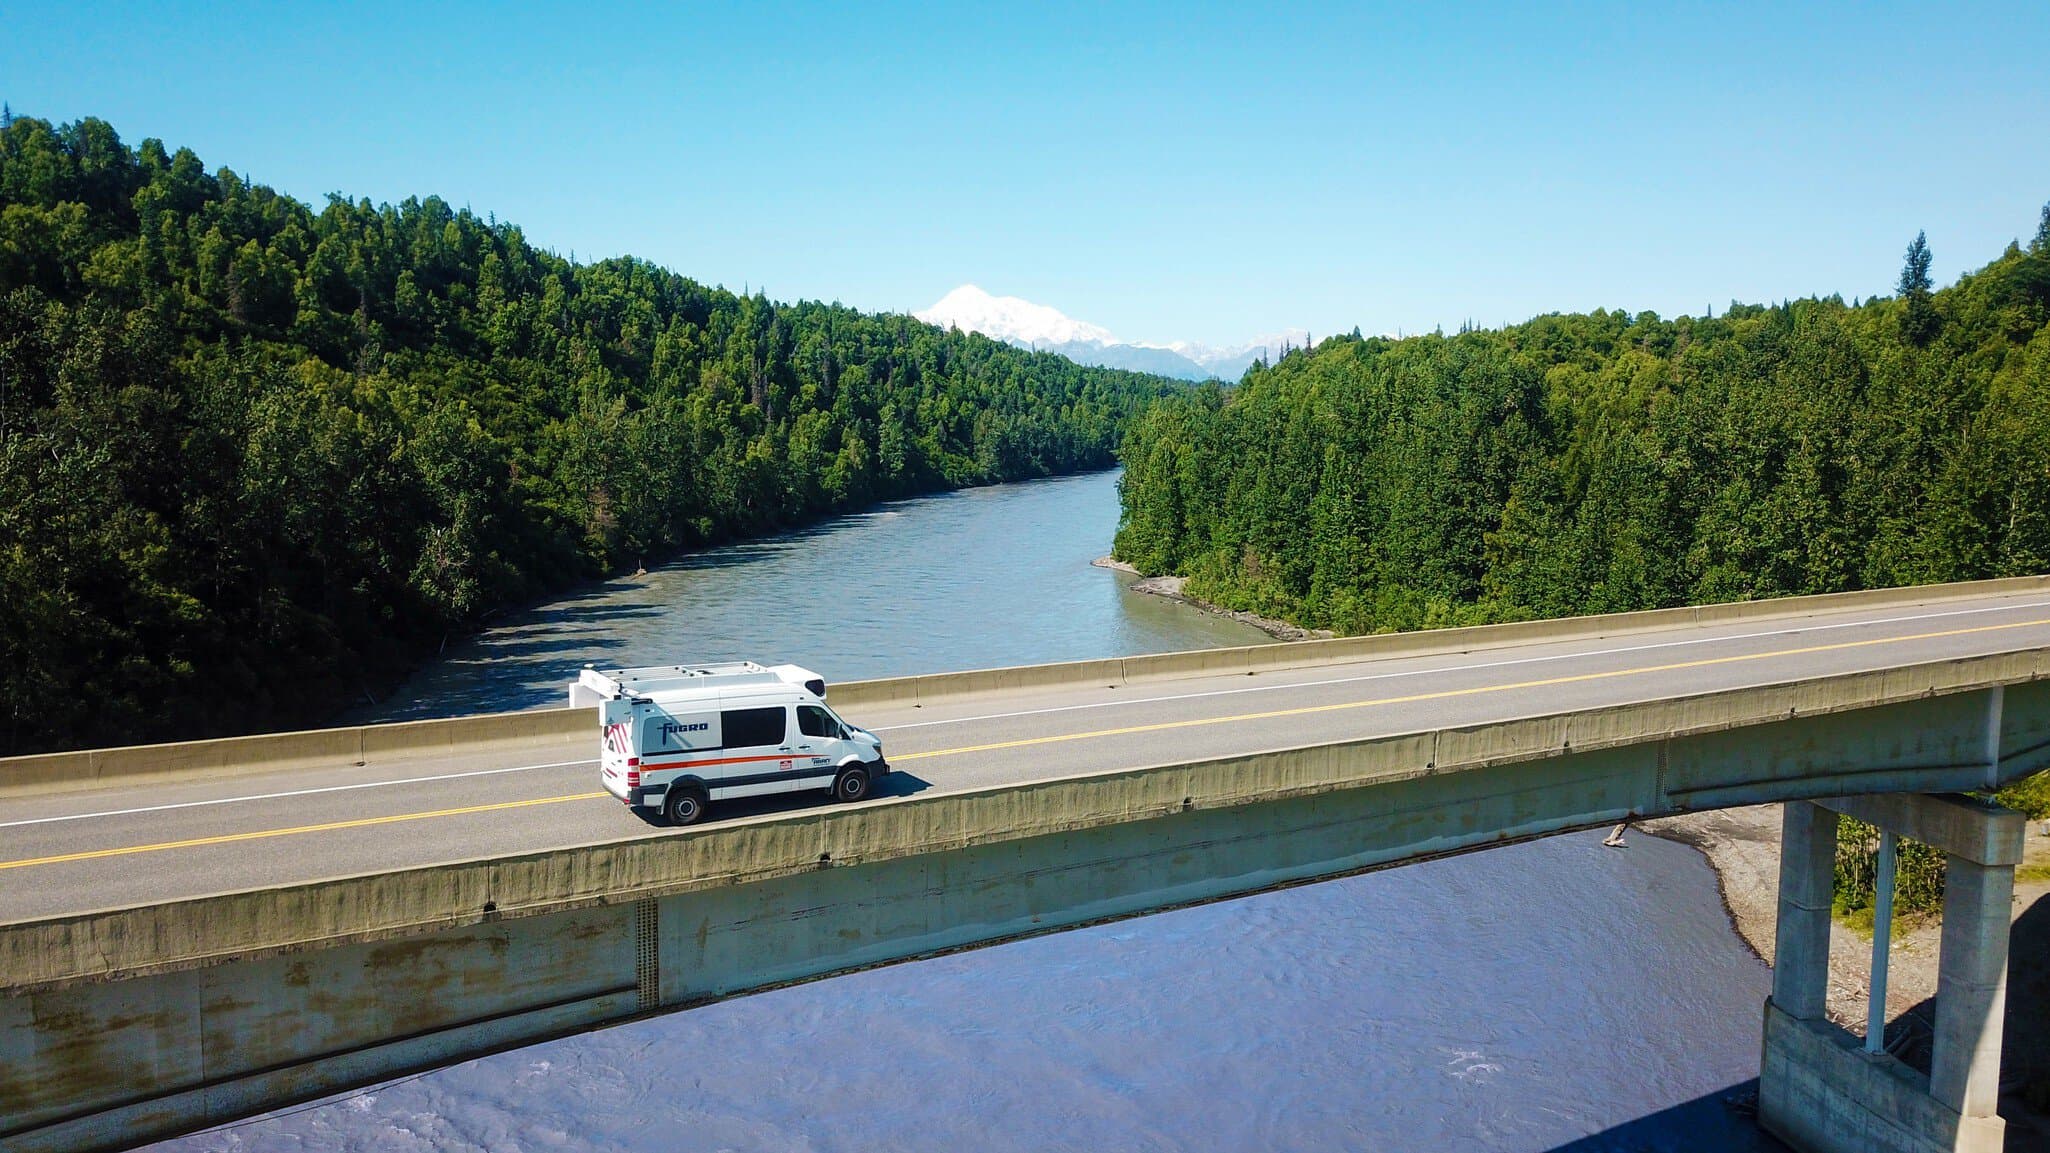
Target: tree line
257	458
1606	461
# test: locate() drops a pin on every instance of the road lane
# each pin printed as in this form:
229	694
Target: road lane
110	847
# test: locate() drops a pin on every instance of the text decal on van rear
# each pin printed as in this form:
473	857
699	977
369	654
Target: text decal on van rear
671	728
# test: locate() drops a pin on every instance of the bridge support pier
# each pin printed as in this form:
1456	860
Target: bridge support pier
1818	1089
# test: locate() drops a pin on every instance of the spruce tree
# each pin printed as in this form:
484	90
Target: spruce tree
2041	244
1919	321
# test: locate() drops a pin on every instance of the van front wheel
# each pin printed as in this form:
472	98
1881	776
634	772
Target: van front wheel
685	805
851	785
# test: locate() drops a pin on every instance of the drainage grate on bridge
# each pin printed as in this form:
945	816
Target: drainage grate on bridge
647	953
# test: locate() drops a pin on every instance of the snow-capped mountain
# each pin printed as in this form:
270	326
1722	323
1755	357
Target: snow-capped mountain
1229	362
1010	318
1028	325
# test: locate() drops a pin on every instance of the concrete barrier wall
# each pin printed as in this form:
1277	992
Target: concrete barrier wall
1385	645
270	752
134	1023
1812	738
372	744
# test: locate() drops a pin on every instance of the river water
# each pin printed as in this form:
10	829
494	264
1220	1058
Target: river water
973	579
1556	995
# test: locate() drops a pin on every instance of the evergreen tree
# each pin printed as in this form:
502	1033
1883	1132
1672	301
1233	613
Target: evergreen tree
1919	320
2041	244
1607	462
246	444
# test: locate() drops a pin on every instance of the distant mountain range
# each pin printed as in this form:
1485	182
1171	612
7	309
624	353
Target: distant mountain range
1037	326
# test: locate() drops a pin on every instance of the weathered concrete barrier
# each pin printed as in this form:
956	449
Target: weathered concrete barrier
121	1025
311	749
387	743
1455	640
1299	654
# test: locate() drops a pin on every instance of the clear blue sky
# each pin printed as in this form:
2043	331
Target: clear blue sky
1167	172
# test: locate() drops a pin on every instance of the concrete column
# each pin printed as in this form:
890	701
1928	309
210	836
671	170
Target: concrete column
1882	942
1800	967
1971	986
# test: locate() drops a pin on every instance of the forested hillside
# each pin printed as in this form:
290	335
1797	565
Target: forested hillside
1605	462
256	458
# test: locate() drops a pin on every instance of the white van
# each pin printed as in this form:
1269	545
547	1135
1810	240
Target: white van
678	737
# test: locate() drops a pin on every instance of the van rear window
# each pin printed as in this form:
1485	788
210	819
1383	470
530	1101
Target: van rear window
748	728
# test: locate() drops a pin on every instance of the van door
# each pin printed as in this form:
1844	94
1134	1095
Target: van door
618	758
758	754
821	740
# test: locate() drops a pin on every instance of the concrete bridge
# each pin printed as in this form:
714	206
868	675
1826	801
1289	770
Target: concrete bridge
191	933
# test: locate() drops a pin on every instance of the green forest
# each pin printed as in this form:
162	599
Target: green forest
257	459
1608	462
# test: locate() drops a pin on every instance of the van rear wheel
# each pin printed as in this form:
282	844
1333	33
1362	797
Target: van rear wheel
685	805
851	785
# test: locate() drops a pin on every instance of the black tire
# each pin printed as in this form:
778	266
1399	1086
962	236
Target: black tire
851	785
685	805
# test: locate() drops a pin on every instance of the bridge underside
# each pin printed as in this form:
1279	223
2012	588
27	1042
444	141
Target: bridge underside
133	1024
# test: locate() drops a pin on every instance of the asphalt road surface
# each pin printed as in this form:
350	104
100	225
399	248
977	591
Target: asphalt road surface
119	846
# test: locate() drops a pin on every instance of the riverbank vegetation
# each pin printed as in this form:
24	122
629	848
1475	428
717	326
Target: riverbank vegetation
256	457
1605	462
1918	875
1609	461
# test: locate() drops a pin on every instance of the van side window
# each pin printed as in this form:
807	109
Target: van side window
747	728
814	721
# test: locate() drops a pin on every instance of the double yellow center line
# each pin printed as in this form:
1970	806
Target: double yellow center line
1240	718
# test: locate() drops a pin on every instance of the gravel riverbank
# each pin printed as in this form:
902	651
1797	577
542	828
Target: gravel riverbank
1171	588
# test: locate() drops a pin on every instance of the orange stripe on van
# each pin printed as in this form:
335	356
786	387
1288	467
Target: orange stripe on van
650	766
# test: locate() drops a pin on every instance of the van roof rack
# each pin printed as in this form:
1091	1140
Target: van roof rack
656	680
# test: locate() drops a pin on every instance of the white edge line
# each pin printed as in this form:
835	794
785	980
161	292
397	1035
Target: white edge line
1271	688
1266	688
293	793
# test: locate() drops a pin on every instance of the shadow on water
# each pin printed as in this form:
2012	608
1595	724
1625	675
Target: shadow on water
738	555
540	696
598	591
1709	1123
499	649
558	614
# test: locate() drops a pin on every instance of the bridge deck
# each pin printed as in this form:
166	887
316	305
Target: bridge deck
129	844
